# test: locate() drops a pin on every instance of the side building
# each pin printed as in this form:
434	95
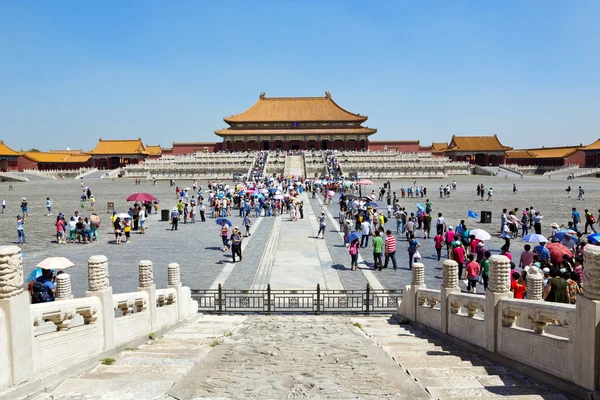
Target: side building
295	123
478	150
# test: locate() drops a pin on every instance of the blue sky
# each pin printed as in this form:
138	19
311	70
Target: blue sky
74	71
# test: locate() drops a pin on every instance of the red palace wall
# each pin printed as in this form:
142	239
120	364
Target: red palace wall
189	148
577	158
25	163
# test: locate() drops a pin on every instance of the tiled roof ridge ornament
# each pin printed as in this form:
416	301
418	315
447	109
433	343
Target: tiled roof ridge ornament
262	96
328	95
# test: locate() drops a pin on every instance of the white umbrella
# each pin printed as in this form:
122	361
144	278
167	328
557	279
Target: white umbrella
55	263
278	197
187	188
264	190
123	215
535	238
480	234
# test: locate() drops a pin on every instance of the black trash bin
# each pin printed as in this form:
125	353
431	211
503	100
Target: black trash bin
486	217
164	215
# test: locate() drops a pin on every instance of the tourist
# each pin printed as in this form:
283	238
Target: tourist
473	270
440	224
60	230
322	225
142	216
79	229
589	221
526	257
410	227
438	241
86	230
353	251
92	202
517	284
573	286
506	234
117	230
365	229
94	225
485	267
3	204
174	218
490	194
43	288
127	229
49	206
449	238
514	188
525	222
236	244
301	207
556	290
247	223
72	229
377	250
427	225
202	212
581	194
347	229
576	218
24	208
224	236
537	222
458	255
390	249
413	246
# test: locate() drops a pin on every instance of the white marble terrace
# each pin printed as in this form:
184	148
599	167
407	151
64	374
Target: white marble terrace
51	337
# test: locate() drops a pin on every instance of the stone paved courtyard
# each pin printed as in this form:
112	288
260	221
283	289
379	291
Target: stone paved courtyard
197	247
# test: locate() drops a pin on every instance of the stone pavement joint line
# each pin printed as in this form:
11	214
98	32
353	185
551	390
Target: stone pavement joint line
446	371
228	269
369	275
263	272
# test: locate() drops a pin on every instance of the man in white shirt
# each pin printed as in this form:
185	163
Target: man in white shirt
365	230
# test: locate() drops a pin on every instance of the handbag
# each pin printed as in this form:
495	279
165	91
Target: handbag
417	255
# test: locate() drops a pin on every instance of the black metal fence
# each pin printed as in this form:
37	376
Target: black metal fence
297	301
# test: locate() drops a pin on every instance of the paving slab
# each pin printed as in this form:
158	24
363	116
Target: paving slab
115	389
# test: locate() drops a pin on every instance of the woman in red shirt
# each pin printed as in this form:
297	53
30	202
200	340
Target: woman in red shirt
517	286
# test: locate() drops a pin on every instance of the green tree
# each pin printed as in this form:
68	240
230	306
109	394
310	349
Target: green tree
33	149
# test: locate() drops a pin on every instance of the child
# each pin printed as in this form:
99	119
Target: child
353	251
473	269
49	206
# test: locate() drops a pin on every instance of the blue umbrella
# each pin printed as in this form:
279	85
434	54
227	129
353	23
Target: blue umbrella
594	238
420	206
36	273
534	238
241	193
220	221
260	196
372	204
221	195
272	190
560	235
352	237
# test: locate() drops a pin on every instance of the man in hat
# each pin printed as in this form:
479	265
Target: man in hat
174	218
236	244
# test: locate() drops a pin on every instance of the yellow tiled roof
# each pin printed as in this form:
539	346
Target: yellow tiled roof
117	147
592	146
437	147
295	109
476	143
544	152
336	131
48	157
154	150
7	151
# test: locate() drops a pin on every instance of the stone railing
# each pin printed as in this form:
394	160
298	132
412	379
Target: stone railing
558	340
569	167
41	339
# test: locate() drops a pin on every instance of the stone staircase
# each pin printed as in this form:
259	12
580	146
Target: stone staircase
149	371
446	371
294	165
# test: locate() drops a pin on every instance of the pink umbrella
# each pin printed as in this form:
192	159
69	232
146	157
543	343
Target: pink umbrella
141	197
365	182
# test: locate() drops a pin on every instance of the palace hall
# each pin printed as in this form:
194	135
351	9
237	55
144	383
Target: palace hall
295	123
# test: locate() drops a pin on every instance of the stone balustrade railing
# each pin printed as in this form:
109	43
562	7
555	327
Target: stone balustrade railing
38	340
558	340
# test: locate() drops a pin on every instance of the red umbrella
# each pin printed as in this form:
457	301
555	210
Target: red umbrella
365	182
141	197
557	251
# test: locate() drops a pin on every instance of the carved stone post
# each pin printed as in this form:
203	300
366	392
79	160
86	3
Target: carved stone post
16	350
63	287
408	306
147	285
449	286
587	328
174	281
98	286
498	288
535	283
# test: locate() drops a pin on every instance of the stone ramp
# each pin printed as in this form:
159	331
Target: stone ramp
446	371
279	357
148	371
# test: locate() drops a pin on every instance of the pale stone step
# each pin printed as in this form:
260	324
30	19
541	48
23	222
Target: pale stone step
94	389
164	354
140	360
460	371
501	391
422	360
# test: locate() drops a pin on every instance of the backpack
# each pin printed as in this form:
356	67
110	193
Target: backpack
353	249
39	294
385	219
